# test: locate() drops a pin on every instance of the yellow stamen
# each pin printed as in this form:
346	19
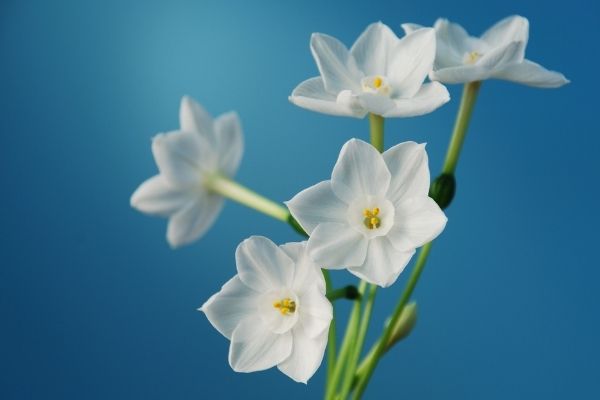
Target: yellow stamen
473	57
372	221
377	82
285	306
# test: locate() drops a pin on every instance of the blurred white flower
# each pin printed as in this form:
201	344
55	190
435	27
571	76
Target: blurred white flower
373	212
274	310
186	159
499	53
381	74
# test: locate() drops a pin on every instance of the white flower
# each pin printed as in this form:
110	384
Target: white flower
185	159
381	74
274	310
499	54
373	212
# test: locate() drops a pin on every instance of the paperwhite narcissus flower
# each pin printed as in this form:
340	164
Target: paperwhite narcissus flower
499	54
186	159
274	310
381	74
373	212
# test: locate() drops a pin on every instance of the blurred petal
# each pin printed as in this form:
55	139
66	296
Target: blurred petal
227	308
430	97
532	74
410	62
306	357
262	265
336	246
194	118
191	222
408	164
336	65
510	29
254	348
383	263
359	171
311	94
418	220
155	196
230	142
372	48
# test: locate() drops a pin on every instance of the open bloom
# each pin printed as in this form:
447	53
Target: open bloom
186	160
381	74
274	310
499	54
373	212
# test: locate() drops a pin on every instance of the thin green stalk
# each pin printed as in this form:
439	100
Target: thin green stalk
376	125
467	103
349	292
331	345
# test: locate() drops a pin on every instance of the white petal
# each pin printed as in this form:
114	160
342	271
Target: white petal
230	142
431	96
501	56
510	29
315	311
410	27
306	357
194	118
307	274
227	308
418	220
192	222
383	263
336	65
359	171
317	204
335	246
408	164
452	44
311	94
254	348
156	197
182	156
262	265
460	74
410	62
532	74
372	49
375	103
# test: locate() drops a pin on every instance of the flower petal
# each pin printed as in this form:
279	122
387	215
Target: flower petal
431	96
383	263
255	348
192	222
408	164
511	29
232	304
375	103
194	118
306	357
460	74
317	204
336	65
181	156
359	171
503	55
410	27
262	265
156	197
410	62
532	74
307	275
418	220
335	246
452	44
315	311
311	94
372	49
230	142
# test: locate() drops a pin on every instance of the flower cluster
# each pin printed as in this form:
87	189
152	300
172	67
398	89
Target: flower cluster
369	218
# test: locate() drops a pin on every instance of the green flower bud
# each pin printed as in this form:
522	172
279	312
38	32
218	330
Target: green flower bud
404	325
442	190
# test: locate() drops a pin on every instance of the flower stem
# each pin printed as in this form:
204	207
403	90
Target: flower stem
467	103
331	339
376	124
349	292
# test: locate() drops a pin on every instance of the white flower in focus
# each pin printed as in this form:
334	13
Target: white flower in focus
373	212
274	310
381	74
186	159
499	53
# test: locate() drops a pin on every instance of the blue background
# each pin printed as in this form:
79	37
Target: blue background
94	304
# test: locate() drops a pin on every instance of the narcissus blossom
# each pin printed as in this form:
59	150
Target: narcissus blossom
186	160
499	53
373	212
274	310
381	74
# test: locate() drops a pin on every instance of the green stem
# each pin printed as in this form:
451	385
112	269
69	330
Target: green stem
467	103
376	125
385	337
331	345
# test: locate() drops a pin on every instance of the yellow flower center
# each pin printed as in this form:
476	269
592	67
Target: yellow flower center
377	82
371	221
285	306
472	57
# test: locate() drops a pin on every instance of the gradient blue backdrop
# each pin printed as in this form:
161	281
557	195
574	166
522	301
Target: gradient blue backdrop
94	304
